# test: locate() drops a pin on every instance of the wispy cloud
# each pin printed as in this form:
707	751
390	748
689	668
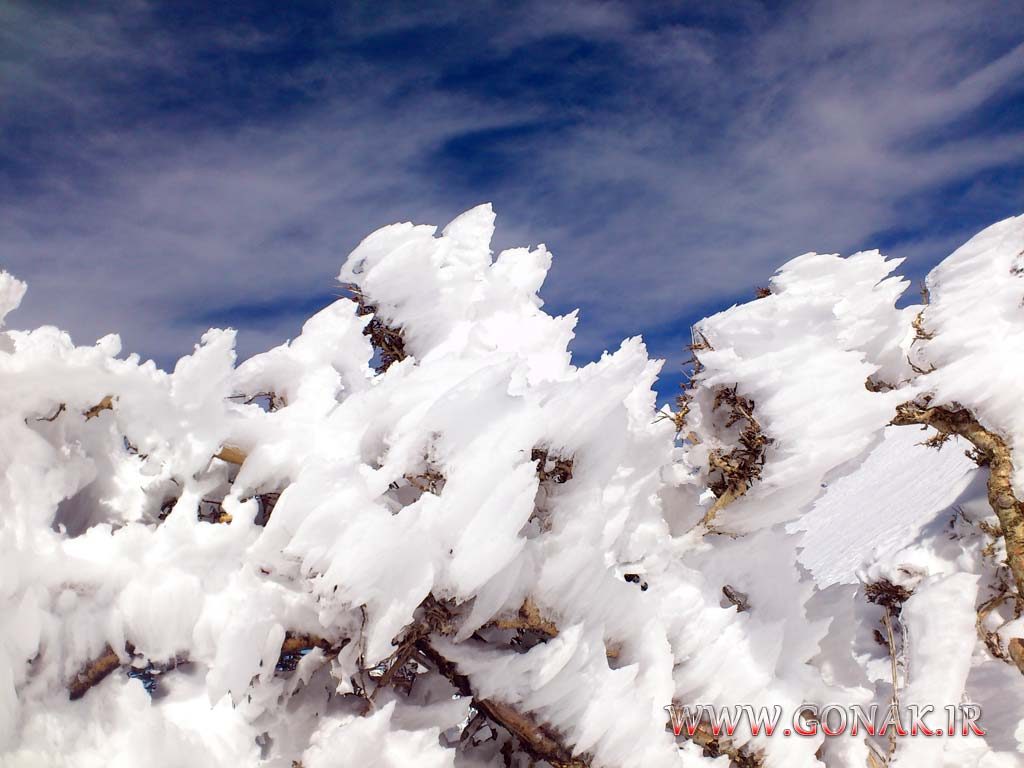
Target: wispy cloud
164	171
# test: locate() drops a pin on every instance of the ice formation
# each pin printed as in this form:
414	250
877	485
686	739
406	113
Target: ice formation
418	534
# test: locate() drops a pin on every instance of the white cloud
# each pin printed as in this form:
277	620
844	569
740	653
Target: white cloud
721	148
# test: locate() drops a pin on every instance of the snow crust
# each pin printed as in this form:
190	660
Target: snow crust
977	349
882	506
192	521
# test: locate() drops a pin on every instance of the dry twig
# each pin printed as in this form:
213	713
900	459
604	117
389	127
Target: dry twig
715	746
93	673
731	474
106	404
737	598
536	739
529	618
554	469
891	597
388	341
231	454
292	649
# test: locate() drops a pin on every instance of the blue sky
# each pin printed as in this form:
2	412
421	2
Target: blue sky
165	167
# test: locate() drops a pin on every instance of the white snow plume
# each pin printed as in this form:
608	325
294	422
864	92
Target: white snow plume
419	534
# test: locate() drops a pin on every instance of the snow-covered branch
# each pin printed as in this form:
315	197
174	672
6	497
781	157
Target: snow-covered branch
420	533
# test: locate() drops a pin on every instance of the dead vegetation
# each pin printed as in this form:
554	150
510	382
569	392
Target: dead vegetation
231	454
920	332
528	619
537	740
1002	593
700	343
918	369
60	409
429	481
990	638
740	599
887	594
551	468
891	598
716	746
269	400
990	449
106	404
414	652
1015	649
212	510
298	644
93	673
387	340
872	384
267	502
294	646
713	745
732	473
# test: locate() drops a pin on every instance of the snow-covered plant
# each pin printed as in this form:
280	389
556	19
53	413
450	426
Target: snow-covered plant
418	534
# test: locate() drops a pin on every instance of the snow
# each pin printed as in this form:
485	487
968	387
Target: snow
372	742
803	354
940	620
977	348
194	522
882	506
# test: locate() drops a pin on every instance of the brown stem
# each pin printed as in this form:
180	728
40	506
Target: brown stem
956	420
95	671
60	409
297	643
529	618
894	671
106	404
738	469
92	673
1016	650
537	740
231	454
714	746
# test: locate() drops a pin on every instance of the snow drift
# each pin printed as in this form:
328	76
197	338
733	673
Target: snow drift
419	534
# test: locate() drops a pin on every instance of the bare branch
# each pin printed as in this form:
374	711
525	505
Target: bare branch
92	673
993	450
388	341
539	741
97	670
737	598
528	618
231	454
60	409
733	473
716	746
1016	650
106	404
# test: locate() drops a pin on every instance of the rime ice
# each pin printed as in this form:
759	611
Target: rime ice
487	553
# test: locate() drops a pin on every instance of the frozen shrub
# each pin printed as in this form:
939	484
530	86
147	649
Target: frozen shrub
418	534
